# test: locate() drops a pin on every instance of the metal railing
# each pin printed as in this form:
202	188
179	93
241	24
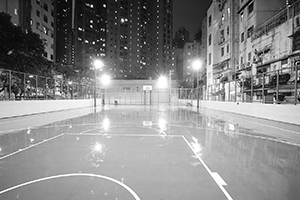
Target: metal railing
281	87
277	87
24	86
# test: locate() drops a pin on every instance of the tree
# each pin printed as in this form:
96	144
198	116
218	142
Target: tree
21	51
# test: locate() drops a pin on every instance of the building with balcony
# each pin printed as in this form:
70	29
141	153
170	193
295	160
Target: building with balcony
275	45
221	46
251	15
252	46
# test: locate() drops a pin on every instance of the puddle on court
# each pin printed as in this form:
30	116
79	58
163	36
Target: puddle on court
253	164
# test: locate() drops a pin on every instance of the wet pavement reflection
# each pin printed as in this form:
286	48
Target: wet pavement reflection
253	164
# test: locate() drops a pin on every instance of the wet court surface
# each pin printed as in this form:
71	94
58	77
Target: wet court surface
151	153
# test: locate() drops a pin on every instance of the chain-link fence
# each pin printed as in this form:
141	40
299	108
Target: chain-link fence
279	87
131	97
23	86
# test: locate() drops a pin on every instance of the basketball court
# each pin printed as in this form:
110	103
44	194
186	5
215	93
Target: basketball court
120	153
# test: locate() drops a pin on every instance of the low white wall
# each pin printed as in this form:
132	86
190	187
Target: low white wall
277	112
19	108
283	113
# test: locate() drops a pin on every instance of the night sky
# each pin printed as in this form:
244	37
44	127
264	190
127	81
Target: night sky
189	14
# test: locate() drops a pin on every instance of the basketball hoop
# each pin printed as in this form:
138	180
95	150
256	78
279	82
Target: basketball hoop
147	89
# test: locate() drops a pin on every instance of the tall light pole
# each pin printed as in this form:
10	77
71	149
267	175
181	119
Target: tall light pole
98	64
197	64
105	80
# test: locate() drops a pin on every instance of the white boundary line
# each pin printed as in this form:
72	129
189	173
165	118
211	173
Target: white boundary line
72	175
212	174
219	181
29	147
122	135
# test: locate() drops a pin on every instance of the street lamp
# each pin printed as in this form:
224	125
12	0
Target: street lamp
162	82
98	64
197	64
105	81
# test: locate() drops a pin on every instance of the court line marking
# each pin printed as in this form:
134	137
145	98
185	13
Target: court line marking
219	182
124	135
29	147
275	127
263	137
72	175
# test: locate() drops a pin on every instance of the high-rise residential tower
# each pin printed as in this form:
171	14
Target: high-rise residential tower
133	37
139	38
80	32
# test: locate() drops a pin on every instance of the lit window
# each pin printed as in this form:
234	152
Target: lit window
222	19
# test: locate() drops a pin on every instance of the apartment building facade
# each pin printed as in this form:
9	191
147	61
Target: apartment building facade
246	38
35	15
221	44
42	23
251	14
19	10
80	33
139	38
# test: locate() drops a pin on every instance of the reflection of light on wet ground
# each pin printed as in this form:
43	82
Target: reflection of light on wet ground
196	146
162	124
106	124
98	147
96	154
